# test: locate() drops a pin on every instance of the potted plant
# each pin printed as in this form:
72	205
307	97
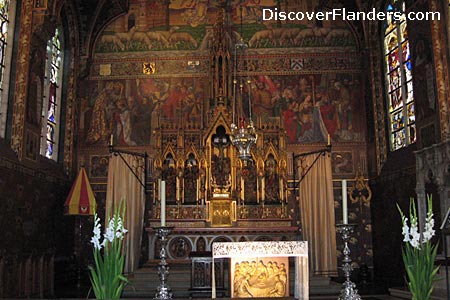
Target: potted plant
419	253
106	276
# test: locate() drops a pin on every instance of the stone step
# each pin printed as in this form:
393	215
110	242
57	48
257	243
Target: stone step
145	280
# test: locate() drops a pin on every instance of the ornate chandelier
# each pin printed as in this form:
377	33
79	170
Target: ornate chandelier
243	134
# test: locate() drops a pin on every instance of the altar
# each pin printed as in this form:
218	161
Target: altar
260	250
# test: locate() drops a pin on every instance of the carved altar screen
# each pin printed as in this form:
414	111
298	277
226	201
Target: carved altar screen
249	250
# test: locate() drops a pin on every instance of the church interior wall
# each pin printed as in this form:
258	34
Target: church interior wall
138	64
35	235
396	181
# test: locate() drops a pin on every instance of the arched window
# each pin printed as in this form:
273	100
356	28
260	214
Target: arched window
398	76
52	100
7	14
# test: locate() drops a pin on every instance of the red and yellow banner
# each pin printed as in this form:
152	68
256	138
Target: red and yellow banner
81	199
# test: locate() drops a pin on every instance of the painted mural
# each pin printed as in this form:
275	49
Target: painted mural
187	25
128	110
310	107
312	95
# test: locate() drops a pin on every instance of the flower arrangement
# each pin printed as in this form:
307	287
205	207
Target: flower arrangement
106	276
419	254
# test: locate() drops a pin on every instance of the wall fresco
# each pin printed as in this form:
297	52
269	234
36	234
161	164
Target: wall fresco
187	25
310	107
312	95
130	109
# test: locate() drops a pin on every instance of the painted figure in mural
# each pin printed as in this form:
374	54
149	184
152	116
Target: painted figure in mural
195	13
146	107
290	121
271	189
327	112
251	10
174	101
100	128
305	115
122	119
279	101
190	106
344	110
262	100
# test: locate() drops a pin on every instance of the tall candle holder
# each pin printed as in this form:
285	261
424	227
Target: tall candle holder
349	291
163	290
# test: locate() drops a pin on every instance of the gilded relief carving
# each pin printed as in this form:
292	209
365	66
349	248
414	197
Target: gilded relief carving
260	277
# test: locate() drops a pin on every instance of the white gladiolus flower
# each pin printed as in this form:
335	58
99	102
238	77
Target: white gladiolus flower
121	231
109	234
412	235
405	232
95	240
429	231
415	237
405	229
96	243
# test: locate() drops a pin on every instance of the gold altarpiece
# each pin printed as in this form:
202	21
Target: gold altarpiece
212	195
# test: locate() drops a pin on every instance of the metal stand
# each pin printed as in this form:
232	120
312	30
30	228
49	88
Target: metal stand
163	290
349	291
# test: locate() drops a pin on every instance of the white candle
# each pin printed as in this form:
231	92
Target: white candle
163	203
344	202
111	140
329	140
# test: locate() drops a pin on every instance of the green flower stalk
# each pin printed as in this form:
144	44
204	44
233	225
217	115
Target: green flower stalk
418	253
106	276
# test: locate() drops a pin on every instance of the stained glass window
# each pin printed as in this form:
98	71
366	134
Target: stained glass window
4	21
51	109
399	86
5	24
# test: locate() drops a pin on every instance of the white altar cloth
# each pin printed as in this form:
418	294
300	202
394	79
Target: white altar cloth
299	249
